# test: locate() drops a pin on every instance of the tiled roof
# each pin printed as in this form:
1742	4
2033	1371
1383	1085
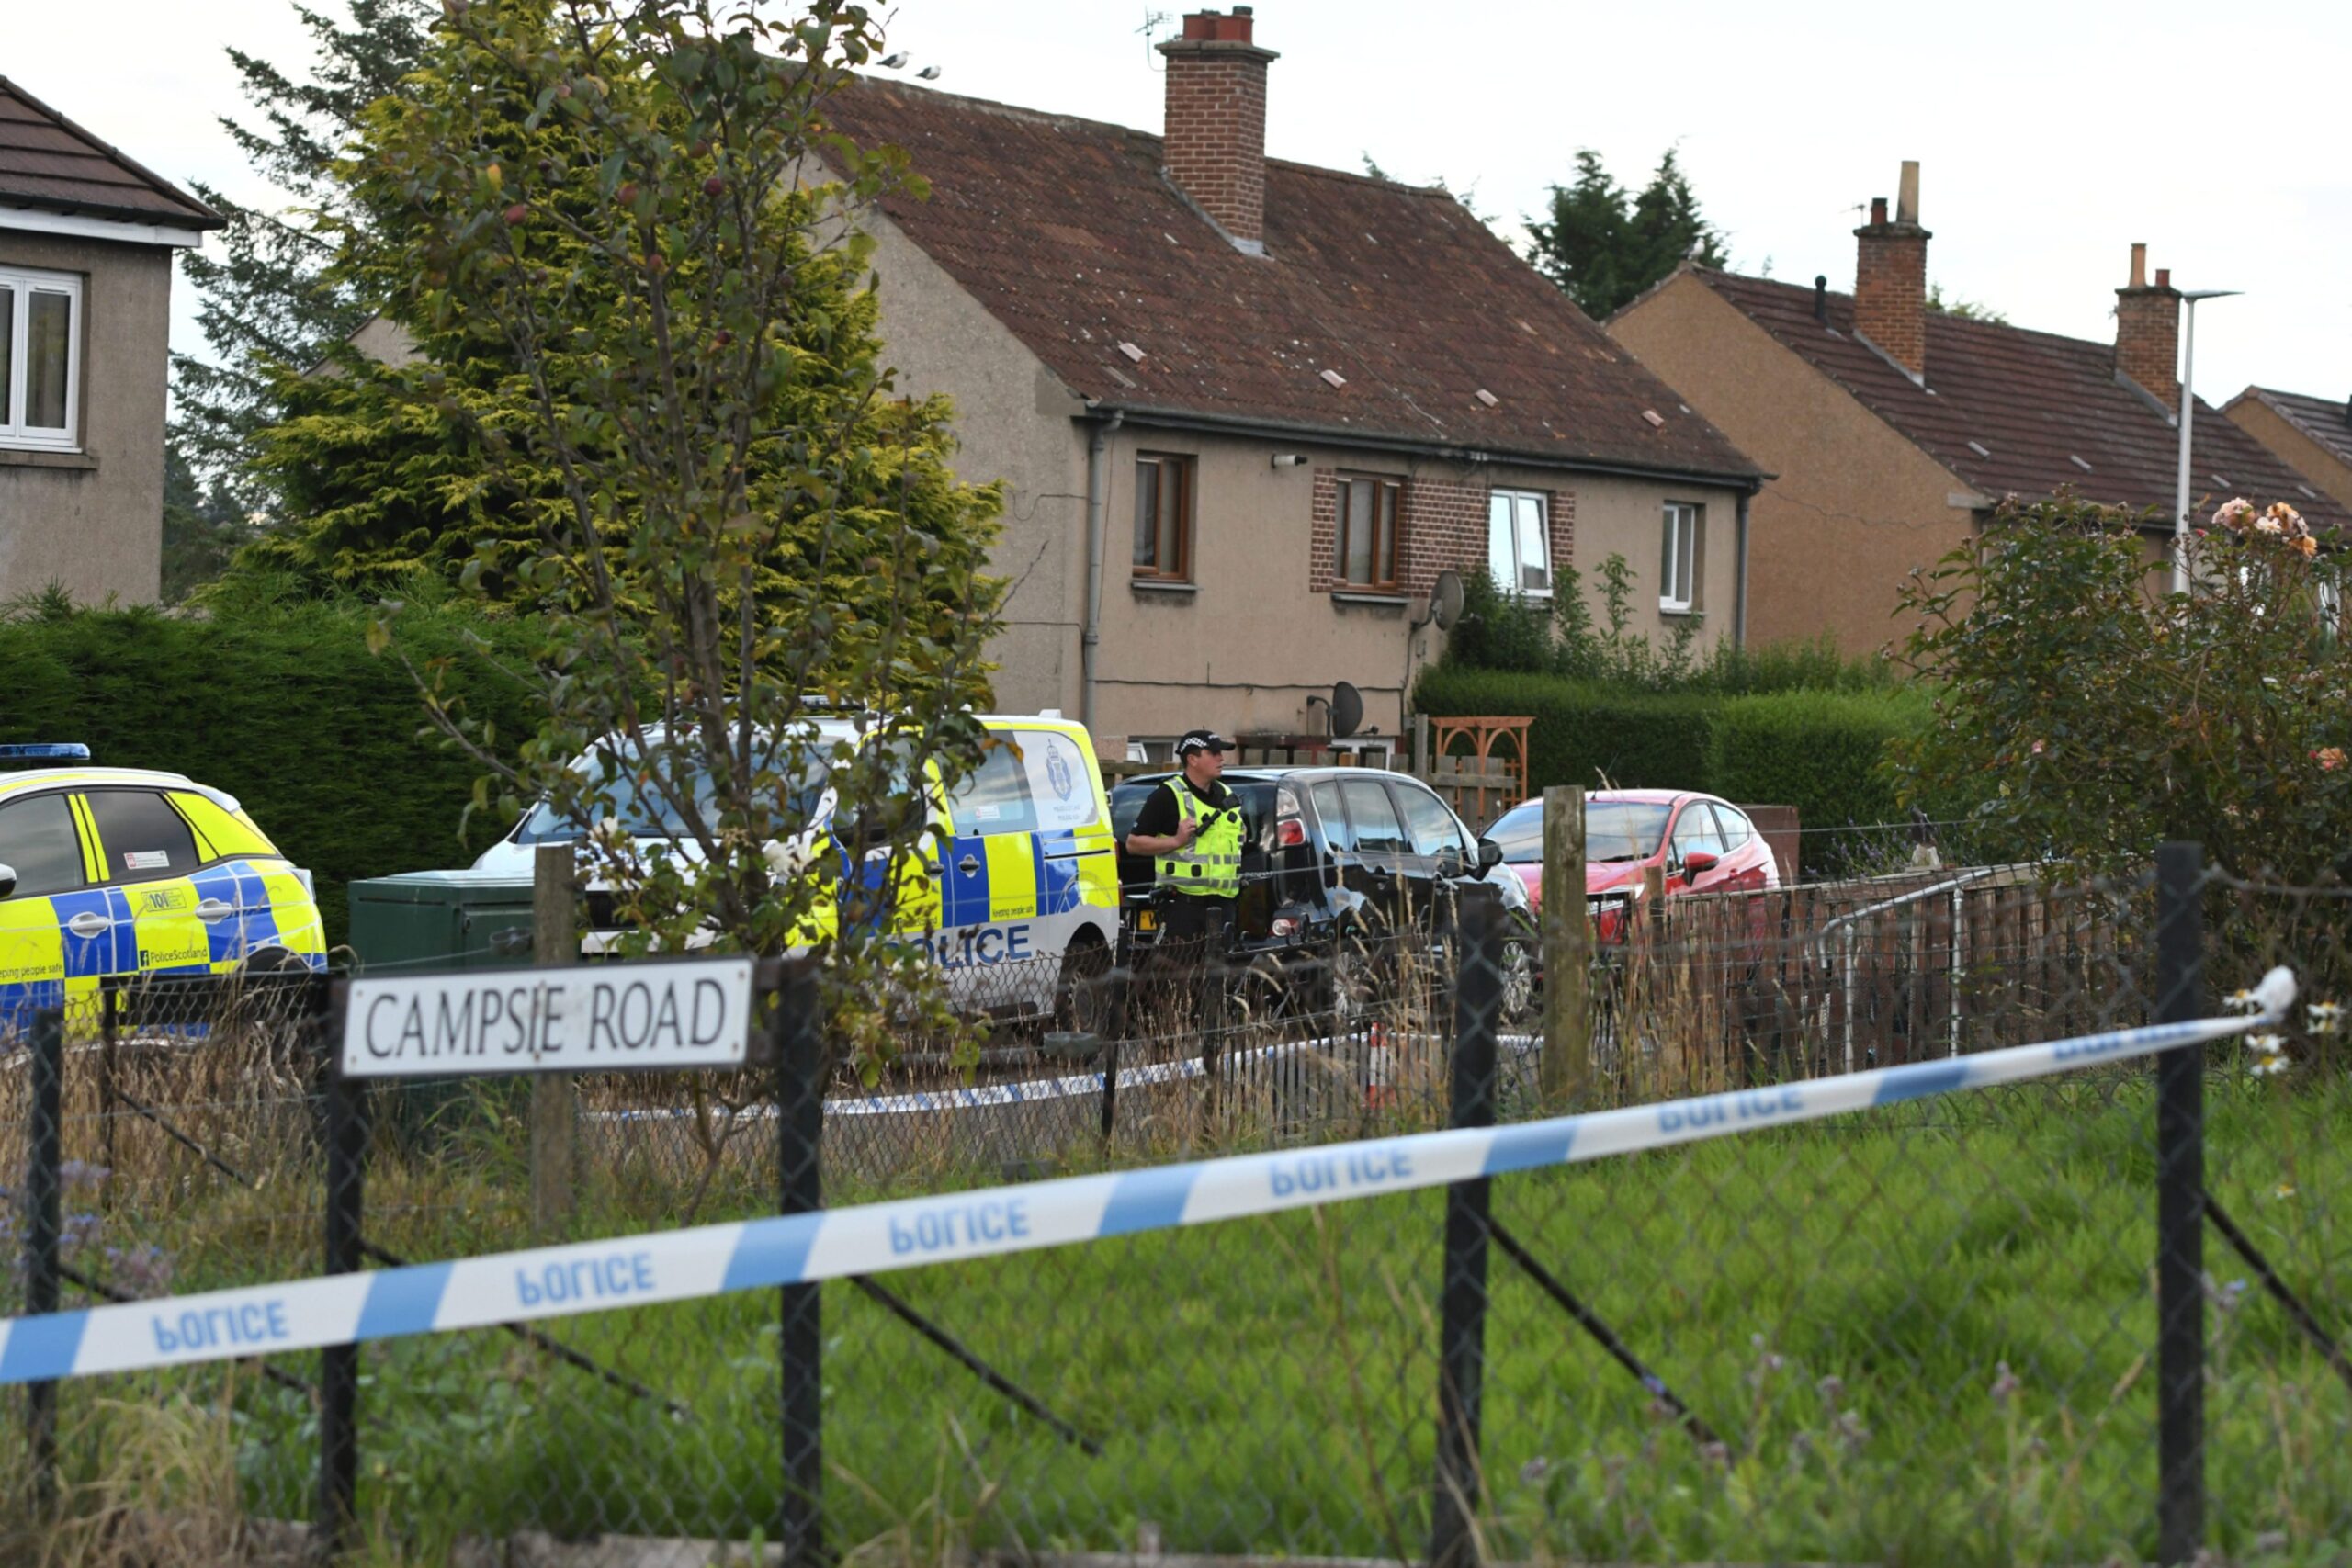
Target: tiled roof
2327	421
2025	413
47	161
1065	231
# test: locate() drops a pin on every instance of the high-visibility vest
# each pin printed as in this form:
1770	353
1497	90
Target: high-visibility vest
1210	866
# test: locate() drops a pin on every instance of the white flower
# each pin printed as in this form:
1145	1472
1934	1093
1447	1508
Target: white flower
2283	1192
2324	1018
2243	1001
2267	1044
2270	1067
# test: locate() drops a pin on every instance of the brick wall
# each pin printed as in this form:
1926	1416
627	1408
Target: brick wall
1891	289
1215	131
1445	527
2147	340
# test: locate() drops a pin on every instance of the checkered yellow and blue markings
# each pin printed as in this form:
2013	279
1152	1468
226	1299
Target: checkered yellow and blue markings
151	928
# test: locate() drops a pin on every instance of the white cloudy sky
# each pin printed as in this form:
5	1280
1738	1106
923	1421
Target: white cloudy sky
2052	132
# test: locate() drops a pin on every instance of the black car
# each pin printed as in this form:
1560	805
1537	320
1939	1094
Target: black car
1337	863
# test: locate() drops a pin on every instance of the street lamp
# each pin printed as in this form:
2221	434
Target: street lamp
2188	410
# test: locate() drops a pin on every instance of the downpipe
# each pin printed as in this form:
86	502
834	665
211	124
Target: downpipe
1089	637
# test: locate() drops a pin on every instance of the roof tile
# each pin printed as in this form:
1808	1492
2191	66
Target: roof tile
1067	231
2020	412
2328	421
48	162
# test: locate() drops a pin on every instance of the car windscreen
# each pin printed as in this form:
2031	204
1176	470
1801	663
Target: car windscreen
1613	829
642	808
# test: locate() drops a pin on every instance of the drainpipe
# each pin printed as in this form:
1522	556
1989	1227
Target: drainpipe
1740	594
1098	451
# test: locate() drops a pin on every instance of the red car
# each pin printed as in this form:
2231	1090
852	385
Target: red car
1705	845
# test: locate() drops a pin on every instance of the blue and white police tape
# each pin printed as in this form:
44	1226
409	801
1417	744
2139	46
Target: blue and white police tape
672	1266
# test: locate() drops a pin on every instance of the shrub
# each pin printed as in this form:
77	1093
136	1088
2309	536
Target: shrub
2098	716
282	707
1585	733
1819	751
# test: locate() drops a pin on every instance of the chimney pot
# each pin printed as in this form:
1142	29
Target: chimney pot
1213	144
2164	277
2138	267
1891	279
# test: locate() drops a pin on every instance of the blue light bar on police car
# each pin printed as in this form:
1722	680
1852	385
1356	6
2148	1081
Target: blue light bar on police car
46	751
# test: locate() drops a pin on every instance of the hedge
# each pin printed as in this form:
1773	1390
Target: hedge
1816	750
1585	733
286	710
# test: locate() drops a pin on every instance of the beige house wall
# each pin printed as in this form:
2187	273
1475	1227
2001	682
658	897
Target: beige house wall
1015	422
1257	630
1855	507
2323	469
93	521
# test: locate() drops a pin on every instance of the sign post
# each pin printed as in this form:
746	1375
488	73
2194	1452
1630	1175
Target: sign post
692	1013
555	1107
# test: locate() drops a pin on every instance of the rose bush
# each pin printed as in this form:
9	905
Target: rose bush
2093	716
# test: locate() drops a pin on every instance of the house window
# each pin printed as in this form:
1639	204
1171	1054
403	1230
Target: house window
1366	557
1164	516
1519	543
1677	574
41	359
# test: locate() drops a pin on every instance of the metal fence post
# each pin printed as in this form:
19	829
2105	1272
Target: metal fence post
2180	1186
337	1504
800	1124
44	1179
1462	1336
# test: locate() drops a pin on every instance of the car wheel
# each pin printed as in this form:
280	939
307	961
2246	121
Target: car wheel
1518	989
1086	998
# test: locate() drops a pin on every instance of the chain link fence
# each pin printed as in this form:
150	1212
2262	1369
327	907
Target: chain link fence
2093	1315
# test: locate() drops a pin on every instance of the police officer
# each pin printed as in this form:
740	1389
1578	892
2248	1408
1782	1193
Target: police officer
1191	826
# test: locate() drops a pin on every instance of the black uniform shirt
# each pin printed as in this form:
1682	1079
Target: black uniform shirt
1160	818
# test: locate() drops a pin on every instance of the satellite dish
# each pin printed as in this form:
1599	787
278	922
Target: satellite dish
1347	710
1445	600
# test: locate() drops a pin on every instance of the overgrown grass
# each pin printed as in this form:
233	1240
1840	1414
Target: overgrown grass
1922	1333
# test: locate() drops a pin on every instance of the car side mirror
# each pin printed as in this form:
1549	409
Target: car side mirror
1490	854
7	880
1696	861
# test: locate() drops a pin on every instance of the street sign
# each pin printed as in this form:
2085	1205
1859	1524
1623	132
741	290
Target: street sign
589	1018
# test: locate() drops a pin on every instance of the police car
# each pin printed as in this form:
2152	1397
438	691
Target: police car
1015	891
107	873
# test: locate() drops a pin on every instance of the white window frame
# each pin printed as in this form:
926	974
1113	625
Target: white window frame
23	283
1511	508
1679	557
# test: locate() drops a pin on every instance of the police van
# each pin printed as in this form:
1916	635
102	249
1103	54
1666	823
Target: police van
1013	891
111	873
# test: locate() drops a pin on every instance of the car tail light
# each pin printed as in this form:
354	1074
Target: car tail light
1290	830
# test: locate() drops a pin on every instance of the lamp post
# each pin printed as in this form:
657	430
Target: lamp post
2187	414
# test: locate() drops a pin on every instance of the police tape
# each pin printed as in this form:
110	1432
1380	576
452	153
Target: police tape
683	1265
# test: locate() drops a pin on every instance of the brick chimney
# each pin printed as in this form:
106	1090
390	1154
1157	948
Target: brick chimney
1216	146
1891	277
2147	332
